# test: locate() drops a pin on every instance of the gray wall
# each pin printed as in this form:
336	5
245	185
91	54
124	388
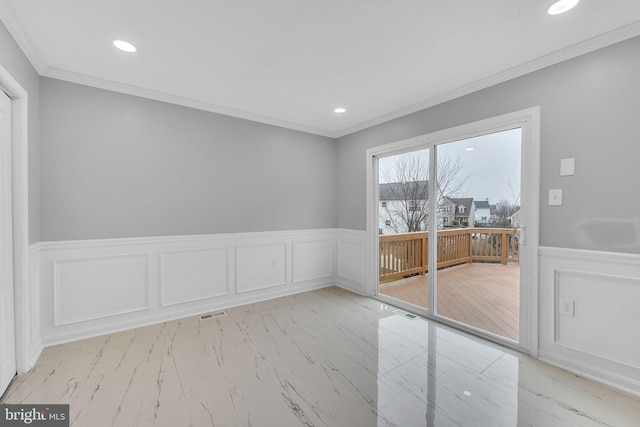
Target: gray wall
17	64
590	110
115	165
119	166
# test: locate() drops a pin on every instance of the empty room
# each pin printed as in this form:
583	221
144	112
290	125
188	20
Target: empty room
336	213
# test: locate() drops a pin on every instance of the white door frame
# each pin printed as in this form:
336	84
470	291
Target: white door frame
20	200
529	121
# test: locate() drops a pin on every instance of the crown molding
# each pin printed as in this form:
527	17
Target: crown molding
11	21
581	48
100	83
9	18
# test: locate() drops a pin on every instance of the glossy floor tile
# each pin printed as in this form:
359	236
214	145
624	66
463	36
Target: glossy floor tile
322	358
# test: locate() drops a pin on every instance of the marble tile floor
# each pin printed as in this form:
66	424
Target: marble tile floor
321	358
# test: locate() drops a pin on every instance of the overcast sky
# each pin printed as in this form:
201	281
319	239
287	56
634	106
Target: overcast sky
492	163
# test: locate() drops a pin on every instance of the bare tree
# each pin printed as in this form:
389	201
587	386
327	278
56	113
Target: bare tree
514	187
405	194
504	210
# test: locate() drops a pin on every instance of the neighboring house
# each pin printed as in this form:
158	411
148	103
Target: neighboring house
447	211
483	213
514	219
458	212
403	205
464	211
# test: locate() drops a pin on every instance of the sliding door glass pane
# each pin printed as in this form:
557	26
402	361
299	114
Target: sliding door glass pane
403	218
478	205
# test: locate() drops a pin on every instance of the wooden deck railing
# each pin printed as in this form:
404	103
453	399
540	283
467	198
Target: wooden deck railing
405	254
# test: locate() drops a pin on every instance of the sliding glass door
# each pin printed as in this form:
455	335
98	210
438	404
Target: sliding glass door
449	215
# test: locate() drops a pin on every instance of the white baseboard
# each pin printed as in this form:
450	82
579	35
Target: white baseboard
351	286
600	340
32	358
95	287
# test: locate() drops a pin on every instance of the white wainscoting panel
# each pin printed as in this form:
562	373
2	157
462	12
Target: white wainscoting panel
600	340
260	267
603	300
312	260
351	261
95	287
192	275
92	288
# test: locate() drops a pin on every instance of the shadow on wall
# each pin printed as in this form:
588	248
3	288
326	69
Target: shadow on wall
617	235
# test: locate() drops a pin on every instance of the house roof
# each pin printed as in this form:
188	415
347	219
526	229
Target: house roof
415	190
482	204
467	202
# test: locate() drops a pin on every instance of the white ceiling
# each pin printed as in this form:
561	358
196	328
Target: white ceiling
291	62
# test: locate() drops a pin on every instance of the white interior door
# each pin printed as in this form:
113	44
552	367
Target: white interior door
7	328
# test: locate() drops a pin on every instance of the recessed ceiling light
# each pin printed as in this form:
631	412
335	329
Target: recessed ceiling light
562	6
340	110
470	149
124	46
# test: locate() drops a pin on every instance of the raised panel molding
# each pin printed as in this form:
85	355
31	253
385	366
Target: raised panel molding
349	253
312	260
193	274
601	300
600	340
93	287
260	266
350	261
98	287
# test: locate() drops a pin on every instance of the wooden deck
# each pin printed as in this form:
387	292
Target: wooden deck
482	295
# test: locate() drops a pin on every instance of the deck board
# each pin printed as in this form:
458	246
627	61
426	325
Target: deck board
482	295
